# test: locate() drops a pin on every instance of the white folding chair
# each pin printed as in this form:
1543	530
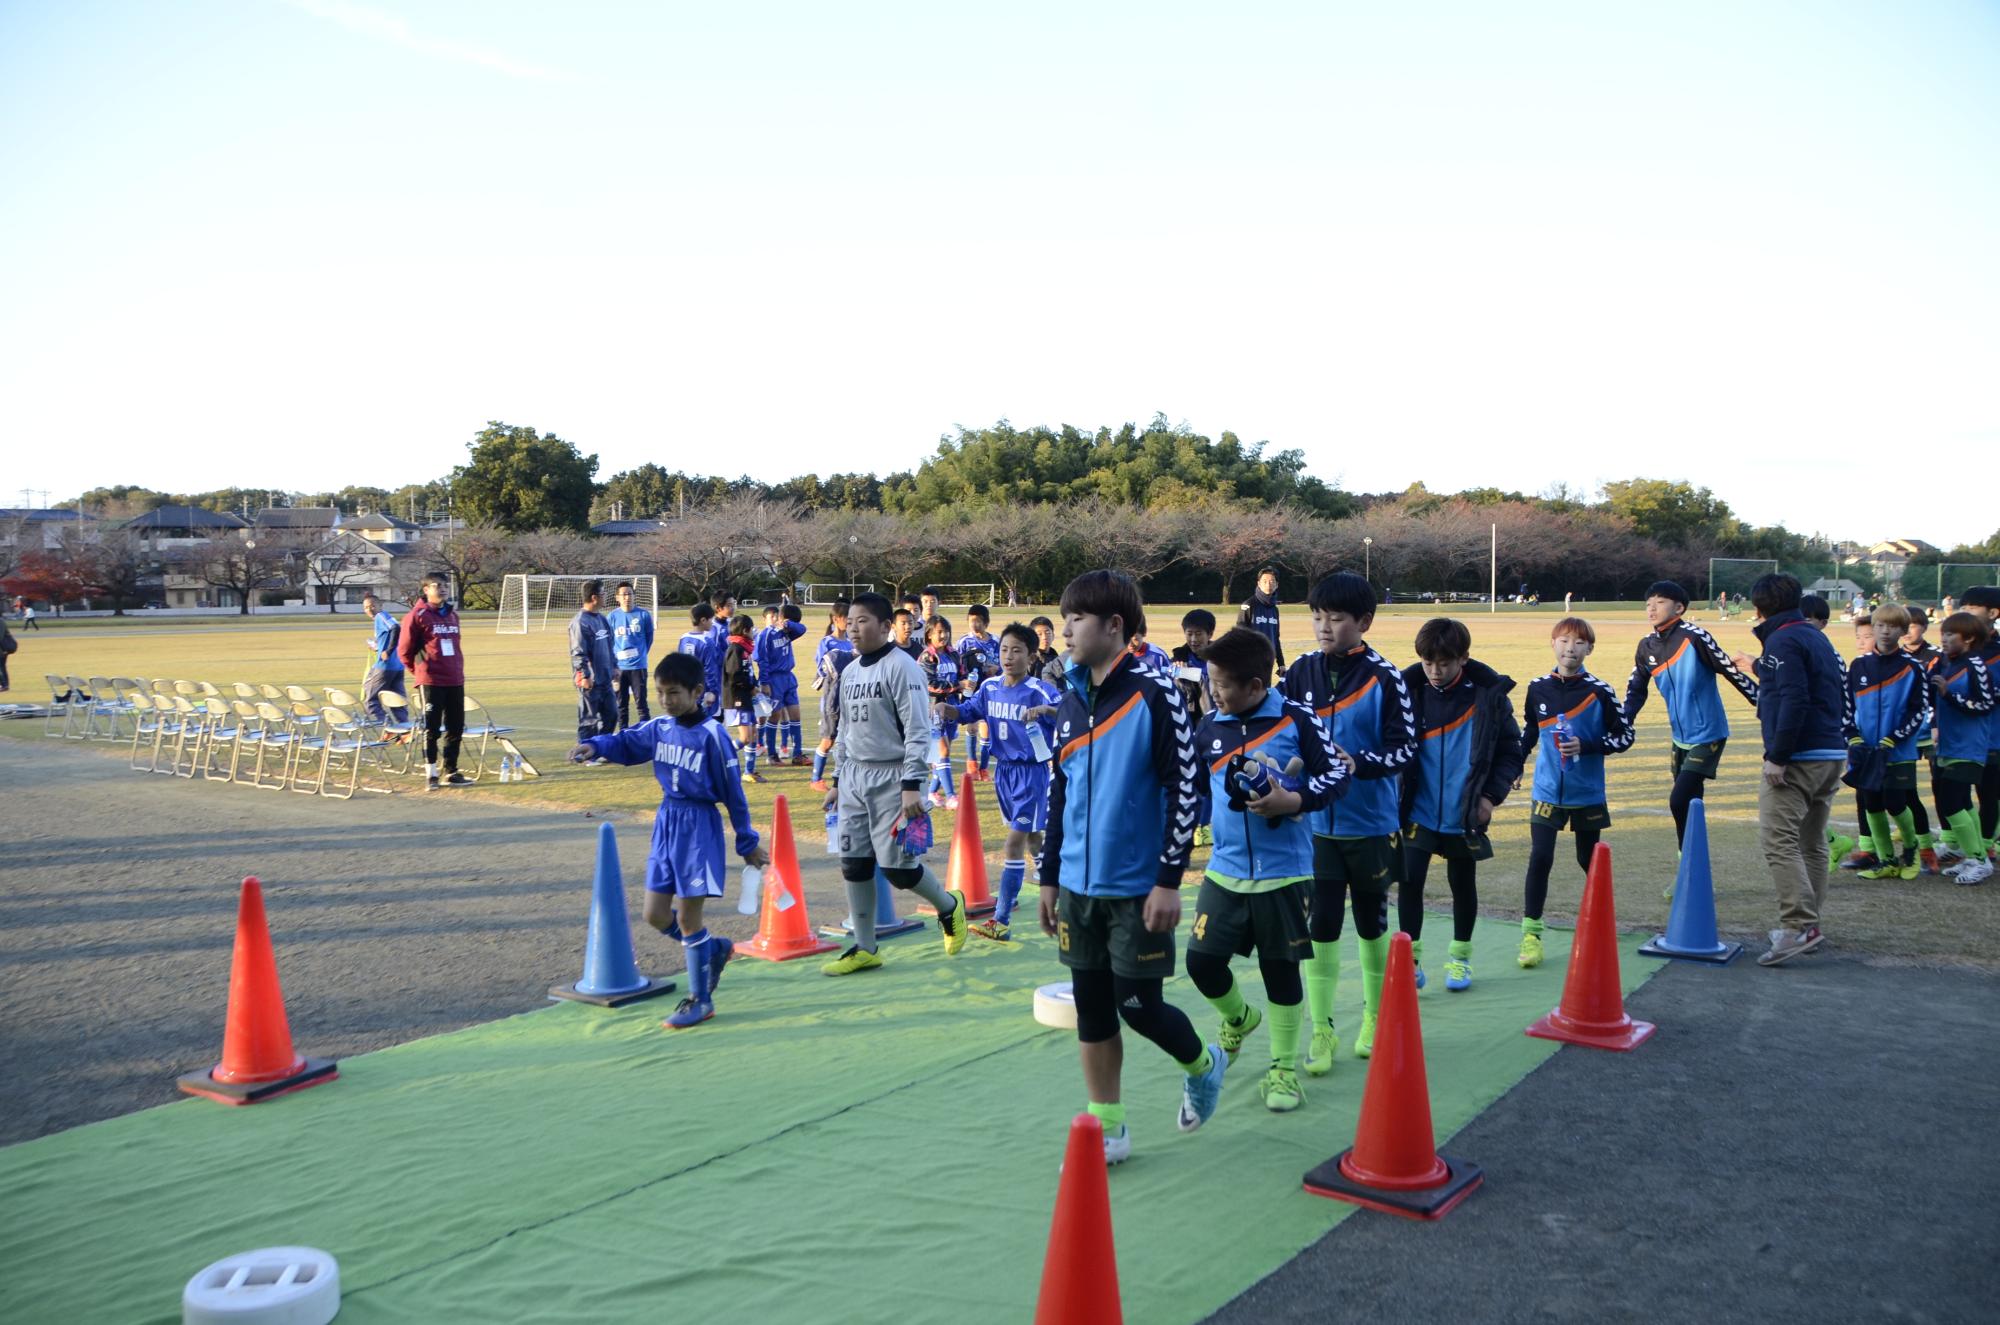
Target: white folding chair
194	731
479	722
308	744
83	714
345	738
218	733
110	705
60	699
274	738
400	727
145	731
249	735
167	728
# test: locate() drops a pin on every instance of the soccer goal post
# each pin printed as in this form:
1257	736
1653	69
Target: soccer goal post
963	595
822	595
1735	575
1955	577
536	602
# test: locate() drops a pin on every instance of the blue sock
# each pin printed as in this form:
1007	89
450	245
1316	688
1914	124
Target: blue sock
770	734
935	778
749	758
986	755
819	765
972	749
673	929
696	945
1011	874
944	776
795	738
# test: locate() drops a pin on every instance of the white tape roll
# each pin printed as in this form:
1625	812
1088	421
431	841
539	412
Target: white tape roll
1055	1005
273	1286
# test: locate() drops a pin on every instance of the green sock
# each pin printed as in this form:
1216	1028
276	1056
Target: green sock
1285	1019
1231	1004
1531	925
1322	974
1880	834
1417	951
1199	1065
1374	961
1965	831
1461	950
1111	1115
1906	826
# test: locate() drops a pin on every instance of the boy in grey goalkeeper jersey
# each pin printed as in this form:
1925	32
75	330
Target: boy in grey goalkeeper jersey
881	759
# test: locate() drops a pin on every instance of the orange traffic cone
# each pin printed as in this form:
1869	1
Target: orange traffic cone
783	933
258	1060
968	856
1080	1272
1592	1010
1394	1165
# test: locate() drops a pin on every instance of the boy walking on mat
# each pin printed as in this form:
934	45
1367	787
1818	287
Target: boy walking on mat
696	767
1124	776
1254	892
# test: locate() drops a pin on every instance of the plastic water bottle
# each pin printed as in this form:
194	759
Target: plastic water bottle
1564	732
833	832
752	891
506	768
1038	744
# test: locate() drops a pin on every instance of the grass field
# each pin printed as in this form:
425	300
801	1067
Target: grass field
524	680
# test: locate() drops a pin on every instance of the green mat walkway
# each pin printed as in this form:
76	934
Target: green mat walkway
826	1150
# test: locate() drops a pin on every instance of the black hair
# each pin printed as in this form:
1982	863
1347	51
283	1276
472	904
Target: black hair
875	605
910	598
1918	617
701	612
1772	594
593	589
1442	639
903	611
1243	655
930	591
1668	589
622	584
979	610
1980	595
1814	608
1343	592
719	597
1039	622
791	613
1023	636
1199	619
680	669
1106	594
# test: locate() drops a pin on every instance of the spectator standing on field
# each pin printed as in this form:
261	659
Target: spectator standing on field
1261	612
432	648
594	667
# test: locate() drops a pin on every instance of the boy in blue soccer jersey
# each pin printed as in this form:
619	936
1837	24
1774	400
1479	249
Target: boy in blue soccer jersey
385	669
698	642
1888	704
631	641
1571	721
826	672
978	658
1254	893
942	677
1150	657
1360	699
777	673
1020	711
1468	758
696	768
1965	702
1683	660
1191	671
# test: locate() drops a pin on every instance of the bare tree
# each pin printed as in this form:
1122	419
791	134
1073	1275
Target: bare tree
245	561
1232	540
475	559
1316	547
911	548
120	564
1009	543
559	552
1128	538
700	550
854	541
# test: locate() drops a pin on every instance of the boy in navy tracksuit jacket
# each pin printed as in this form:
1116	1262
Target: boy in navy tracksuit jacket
1124	775
1468	757
1363	705
1571	721
1683	660
1888	707
1255	890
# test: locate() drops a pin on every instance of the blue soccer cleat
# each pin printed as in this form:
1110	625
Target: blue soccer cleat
691	1012
1202	1093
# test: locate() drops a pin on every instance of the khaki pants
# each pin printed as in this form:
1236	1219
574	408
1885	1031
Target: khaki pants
1791	822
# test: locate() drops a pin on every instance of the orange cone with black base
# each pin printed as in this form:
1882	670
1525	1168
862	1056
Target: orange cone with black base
258	1060
1080	1272
1394	1165
783	933
1592	1010
968	856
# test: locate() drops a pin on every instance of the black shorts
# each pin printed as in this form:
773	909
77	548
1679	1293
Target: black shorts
1961	770
1232	924
1900	776
1365	864
1093	933
1470	845
1703	759
1577	818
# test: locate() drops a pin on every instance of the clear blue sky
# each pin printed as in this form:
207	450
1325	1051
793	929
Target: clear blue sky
308	243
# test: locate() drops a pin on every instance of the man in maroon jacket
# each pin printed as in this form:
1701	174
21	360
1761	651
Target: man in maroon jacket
433	649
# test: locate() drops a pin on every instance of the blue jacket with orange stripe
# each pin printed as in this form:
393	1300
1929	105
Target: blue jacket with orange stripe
1364	708
1888	703
1124	775
1683	661
1468	746
1596	720
1249	846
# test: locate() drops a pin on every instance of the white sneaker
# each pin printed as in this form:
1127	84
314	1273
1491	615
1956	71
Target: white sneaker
1117	1145
1972	873
1789	943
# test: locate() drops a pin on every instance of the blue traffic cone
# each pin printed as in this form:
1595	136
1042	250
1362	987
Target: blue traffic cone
887	924
1691	920
610	972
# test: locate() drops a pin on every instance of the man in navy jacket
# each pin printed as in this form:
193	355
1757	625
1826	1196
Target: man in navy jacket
1801	697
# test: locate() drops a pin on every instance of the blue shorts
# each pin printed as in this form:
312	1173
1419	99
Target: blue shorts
945	731
784	688
688	858
1023	789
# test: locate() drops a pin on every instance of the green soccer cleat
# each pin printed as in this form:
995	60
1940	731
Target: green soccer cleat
1204	836
1281	1090
1838	845
1234	1033
1319	1053
954	925
1891	871
1364	1039
1457	974
1530	955
994	930
847	963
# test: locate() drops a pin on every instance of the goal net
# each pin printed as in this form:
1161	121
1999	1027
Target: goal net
822	595
962	595
1735	575
1954	578
536	602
